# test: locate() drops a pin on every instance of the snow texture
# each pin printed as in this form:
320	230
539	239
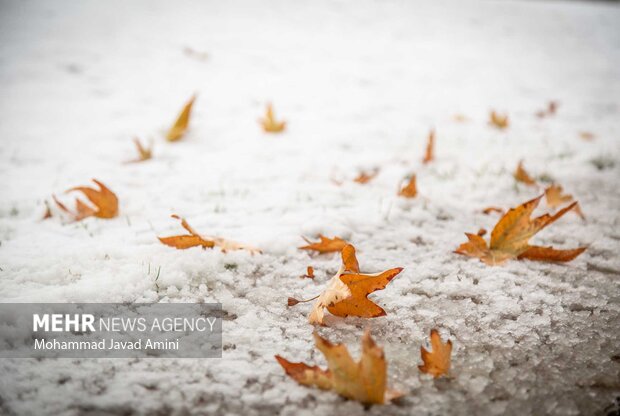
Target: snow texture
360	83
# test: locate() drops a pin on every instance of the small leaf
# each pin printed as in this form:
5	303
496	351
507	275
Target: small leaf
269	123
555	198
521	175
179	128
429	155
364	177
436	362
325	244
144	153
104	200
497	120
410	190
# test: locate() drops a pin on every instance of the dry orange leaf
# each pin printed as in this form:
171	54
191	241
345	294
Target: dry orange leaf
498	120
269	123
178	129
364	177
193	239
555	198
347	292
144	153
309	273
364	380
521	175
510	236
410	190
552	107
104	200
489	210
325	244
436	362
429	155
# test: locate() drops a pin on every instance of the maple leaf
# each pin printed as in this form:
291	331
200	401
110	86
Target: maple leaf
269	123
489	210
364	380
346	293
325	244
555	198
178	129
429	155
511	234
193	239
497	120
436	362
410	190
364	177
144	153
104	200
552	107
521	175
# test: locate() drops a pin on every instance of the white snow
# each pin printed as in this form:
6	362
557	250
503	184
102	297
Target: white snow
360	84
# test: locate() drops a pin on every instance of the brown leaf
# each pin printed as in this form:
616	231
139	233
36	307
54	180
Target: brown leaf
309	273
325	244
429	155
497	120
410	190
144	153
510	237
437	362
269	123
364	177
178	129
104	200
489	210
364	380
193	239
521	175
347	292
555	198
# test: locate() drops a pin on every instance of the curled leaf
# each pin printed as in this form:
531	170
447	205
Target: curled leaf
364	380
410	190
178	129
429	155
437	361
497	120
269	123
325	244
510	237
104	200
521	175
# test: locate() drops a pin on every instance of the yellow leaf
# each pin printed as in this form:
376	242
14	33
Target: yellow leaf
178	129
497	120
269	123
521	175
364	380
144	153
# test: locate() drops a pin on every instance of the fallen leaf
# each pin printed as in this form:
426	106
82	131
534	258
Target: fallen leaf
193	239
555	198
497	120
144	153
364	177
346	294
269	123
325	244
104	200
436	362
364	380
178	129
309	273
489	210
48	212
429	155
551	109
510	237
410	190
460	118
521	175
587	136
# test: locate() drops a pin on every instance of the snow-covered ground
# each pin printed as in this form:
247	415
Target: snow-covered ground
360	84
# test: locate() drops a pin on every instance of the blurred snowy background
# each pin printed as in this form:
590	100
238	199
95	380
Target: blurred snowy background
360	84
